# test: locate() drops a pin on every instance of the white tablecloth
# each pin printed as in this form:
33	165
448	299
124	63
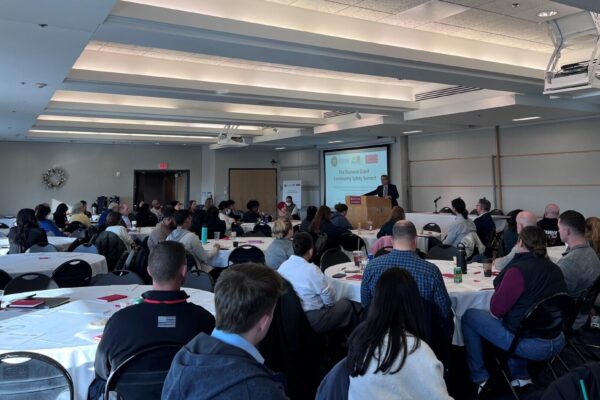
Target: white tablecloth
445	220
471	293
8	221
61	243
220	260
64	333
46	263
141	234
555	253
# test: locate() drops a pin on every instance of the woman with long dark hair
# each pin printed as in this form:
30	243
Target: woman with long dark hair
60	215
214	223
321	223
387	357
311	211
398	214
461	226
26	233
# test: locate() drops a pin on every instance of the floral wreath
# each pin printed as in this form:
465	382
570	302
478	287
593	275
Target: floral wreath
54	178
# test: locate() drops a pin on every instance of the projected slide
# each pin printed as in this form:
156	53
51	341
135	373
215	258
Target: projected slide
353	172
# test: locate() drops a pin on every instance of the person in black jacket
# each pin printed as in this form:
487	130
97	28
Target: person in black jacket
252	215
386	190
145	217
321	223
164	317
26	233
60	215
214	223
484	223
387	228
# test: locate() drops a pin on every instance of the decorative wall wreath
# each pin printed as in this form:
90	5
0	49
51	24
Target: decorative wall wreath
54	178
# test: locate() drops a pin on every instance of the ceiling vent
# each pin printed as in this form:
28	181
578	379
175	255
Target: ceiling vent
333	114
451	91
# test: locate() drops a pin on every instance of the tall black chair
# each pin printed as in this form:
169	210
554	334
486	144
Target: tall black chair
383	251
432	242
351	242
76	243
111	247
4	278
4	226
117	278
246	253
199	280
29	282
42	248
496	211
446	210
432	227
73	273
443	252
264	229
333	257
25	376
141	376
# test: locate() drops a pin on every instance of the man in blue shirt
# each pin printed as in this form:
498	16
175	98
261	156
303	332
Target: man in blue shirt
226	364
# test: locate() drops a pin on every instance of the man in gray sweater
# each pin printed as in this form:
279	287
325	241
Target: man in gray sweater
524	218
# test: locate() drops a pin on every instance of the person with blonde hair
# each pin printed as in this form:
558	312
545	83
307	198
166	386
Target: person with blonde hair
281	249
592	233
77	215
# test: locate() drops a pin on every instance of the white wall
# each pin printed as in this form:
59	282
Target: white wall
91	168
302	165
557	162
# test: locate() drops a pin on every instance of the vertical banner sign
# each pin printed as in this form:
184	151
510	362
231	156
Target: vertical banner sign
294	189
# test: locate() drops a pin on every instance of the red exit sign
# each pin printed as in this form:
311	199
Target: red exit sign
163	165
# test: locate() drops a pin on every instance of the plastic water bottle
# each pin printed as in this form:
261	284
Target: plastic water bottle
461	258
204	235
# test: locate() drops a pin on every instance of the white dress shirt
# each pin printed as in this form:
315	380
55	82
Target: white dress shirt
309	282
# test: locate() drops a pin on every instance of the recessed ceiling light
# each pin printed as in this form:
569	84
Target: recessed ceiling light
526	119
547	13
407	132
279	148
515	5
335	141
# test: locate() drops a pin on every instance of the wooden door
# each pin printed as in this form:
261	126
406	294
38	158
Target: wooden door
254	184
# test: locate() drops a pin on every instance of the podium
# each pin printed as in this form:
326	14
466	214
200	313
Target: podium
362	209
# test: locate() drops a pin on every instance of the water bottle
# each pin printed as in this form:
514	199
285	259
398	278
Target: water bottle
204	235
461	258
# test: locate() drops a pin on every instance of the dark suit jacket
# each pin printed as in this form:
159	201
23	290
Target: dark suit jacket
485	225
392	192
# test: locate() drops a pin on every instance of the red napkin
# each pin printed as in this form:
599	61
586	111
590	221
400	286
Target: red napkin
451	276
357	277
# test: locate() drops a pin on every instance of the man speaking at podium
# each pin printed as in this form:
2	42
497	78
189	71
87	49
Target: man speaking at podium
386	190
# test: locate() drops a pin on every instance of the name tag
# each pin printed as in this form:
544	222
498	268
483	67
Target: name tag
167	321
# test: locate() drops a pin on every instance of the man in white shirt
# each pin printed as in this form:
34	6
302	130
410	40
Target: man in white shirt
524	218
316	294
124	211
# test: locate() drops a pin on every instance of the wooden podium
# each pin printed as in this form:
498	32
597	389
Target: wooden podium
362	209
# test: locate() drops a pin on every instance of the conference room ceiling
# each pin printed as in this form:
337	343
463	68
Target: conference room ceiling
293	73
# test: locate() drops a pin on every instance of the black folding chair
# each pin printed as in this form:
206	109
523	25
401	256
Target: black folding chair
29	282
141	376
4	278
443	252
254	234
25	375
4	226
446	210
333	257
432	227
199	280
88	248
496	211
246	253
117	277
383	251
264	229
351	242
111	247
432	242
42	248
73	273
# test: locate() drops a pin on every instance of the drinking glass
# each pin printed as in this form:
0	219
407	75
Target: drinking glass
217	235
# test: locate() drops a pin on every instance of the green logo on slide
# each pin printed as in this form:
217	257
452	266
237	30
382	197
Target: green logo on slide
334	161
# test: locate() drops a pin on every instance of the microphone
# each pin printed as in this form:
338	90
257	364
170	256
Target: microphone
436	200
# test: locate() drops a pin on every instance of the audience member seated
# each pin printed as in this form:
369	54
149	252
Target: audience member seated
384	241
292	209
208	203
112	207
387	228
145	217
592	233
198	220
510	235
214	223
461	226
252	215
44	217
321	223
484	223
26	233
226	364
527	280
176	204
113	225
77	215
318	297
190	241
126	218
579	264
60	216
428	277
523	219
165	316
163	228
224	213
156	209
339	217
311	211
85	210
281	248
282	211
387	355
550	225
192	204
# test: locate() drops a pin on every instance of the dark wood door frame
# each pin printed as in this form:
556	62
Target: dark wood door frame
162	171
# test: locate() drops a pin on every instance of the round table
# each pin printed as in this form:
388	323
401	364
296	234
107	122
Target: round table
65	333
249	226
46	263
555	253
473	292
61	243
221	259
370	237
8	220
140	233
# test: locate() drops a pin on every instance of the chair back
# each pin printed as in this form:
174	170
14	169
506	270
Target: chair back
383	251
545	320
111	247
446	210
443	252
42	248
141	376
74	226
88	248
496	211
584	303
4	226
26	376
264	229
73	273
75	244
199	280
246	253
351	242
432	227
140	264
432	242
336	383
4	278
29	282
117	277
80	233
254	234
333	257
190	261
